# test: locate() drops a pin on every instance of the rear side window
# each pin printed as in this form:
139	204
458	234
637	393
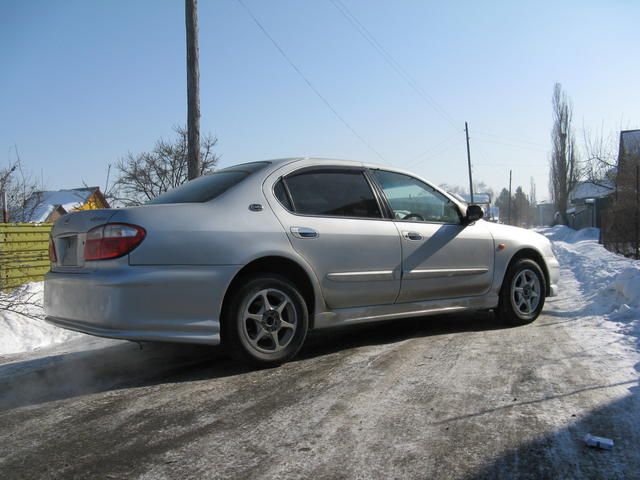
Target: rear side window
282	196
333	193
208	187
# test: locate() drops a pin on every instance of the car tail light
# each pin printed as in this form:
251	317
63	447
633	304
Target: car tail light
112	240
52	250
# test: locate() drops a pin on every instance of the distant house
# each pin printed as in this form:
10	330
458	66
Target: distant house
619	228
587	200
544	214
586	190
48	206
478	198
629	152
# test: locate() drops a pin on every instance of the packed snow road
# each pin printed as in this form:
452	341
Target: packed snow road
438	397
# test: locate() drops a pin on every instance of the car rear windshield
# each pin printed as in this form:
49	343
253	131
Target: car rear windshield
210	186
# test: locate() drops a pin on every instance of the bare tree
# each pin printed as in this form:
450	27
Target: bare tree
600	163
23	300
564	171
533	200
144	176
21	189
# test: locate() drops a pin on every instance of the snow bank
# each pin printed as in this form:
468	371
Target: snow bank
565	234
609	282
21	325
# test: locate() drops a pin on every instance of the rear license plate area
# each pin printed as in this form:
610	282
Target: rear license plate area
69	251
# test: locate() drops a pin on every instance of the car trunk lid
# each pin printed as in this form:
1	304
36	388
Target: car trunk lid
69	235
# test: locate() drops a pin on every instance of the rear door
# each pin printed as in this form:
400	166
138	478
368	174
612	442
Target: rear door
335	221
441	257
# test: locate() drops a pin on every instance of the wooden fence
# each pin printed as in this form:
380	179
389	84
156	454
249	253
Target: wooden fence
24	253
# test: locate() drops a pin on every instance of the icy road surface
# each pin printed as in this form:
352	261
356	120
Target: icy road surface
437	397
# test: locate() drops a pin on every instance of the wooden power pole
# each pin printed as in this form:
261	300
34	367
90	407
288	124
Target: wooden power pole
193	90
509	207
466	131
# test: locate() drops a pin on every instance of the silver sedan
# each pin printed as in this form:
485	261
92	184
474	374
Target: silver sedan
256	255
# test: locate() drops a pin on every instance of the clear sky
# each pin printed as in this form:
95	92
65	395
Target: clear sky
84	82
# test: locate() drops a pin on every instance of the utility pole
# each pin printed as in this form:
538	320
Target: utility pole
193	90
509	207
466	130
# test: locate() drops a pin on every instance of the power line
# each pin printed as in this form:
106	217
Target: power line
432	150
508	165
390	60
435	152
508	144
308	82
512	139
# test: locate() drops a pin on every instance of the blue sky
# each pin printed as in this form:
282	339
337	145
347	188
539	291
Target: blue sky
83	83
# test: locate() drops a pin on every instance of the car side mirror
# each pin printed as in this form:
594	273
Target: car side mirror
474	212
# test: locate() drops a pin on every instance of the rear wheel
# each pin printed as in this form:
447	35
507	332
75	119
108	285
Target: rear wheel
523	293
267	321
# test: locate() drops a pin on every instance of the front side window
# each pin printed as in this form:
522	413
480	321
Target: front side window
332	193
411	199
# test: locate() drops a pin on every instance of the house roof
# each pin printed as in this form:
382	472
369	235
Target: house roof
40	205
591	190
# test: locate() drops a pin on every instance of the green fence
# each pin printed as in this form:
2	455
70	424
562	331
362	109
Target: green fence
24	253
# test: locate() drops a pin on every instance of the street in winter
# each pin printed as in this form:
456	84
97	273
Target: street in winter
437	397
342	239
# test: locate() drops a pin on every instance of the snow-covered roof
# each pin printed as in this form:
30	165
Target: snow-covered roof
591	190
477	197
41	204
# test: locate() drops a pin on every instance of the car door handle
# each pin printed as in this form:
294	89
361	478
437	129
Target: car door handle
412	235
304	232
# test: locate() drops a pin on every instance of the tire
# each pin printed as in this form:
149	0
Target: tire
522	294
265	335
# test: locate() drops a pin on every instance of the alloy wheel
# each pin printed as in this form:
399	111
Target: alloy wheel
269	321
525	292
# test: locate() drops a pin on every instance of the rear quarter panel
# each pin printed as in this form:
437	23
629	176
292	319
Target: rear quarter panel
220	232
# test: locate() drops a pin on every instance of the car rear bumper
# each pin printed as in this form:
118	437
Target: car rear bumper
156	303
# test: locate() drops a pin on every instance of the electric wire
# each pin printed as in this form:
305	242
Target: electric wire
308	82
508	144
430	151
512	139
391	61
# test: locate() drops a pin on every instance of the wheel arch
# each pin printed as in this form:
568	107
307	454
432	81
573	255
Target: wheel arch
278	265
536	256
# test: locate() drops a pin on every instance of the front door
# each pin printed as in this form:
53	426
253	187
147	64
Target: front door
335	222
441	257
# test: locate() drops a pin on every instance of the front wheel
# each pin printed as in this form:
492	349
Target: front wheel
267	321
523	293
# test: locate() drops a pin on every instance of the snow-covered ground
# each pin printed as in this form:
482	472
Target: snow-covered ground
608	284
22	328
